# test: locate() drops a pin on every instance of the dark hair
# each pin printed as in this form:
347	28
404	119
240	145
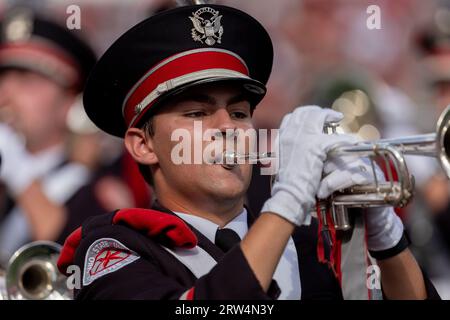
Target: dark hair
145	171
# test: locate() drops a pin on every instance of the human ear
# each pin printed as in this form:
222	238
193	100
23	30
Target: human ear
140	146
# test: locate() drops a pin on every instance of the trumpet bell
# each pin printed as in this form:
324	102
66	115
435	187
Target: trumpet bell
443	140
32	273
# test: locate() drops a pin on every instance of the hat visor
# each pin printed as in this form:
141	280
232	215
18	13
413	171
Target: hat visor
253	89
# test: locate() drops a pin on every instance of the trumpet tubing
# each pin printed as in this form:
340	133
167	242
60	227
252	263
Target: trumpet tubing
392	151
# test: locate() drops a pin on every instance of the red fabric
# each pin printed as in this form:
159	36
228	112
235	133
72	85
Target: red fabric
166	227
68	251
335	250
401	212
33	51
190	294
183	65
334	260
158	224
320	249
130	172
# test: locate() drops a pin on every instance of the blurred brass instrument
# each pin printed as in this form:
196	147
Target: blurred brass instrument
390	151
32	274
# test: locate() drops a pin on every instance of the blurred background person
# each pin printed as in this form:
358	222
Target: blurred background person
43	67
53	172
381	79
433	52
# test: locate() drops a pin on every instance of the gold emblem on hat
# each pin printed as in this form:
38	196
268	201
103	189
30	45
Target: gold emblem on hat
18	26
207	26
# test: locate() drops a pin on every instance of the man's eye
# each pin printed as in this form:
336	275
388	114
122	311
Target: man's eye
195	114
239	115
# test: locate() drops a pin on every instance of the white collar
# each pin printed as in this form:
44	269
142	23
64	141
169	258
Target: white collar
287	271
209	229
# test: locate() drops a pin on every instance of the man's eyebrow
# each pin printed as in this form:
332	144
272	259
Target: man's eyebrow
210	100
200	97
237	98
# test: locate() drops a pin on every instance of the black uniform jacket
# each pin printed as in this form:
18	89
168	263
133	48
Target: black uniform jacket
159	275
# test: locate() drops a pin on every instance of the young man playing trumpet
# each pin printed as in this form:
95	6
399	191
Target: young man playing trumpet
210	63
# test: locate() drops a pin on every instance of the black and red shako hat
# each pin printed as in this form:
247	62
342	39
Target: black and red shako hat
172	51
31	42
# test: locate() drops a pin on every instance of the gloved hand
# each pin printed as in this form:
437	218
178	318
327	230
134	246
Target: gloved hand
345	171
16	171
384	227
303	149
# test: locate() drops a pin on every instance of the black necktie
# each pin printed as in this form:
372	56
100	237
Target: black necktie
226	239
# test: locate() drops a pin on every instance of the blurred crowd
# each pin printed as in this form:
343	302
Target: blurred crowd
391	81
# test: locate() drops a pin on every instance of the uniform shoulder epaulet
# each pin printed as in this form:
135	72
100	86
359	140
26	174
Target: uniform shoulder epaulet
165	228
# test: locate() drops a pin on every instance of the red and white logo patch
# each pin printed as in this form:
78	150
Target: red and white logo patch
104	256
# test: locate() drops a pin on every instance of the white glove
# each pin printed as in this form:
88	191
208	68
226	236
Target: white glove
302	151
16	171
346	171
384	227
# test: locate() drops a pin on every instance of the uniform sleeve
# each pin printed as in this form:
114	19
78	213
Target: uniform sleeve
148	278
232	278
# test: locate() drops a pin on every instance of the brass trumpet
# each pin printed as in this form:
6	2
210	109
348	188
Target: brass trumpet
388	193
32	274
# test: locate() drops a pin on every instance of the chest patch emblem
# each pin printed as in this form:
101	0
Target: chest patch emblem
105	256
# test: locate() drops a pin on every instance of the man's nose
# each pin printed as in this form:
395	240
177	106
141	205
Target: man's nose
223	121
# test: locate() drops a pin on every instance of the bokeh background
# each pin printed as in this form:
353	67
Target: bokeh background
389	82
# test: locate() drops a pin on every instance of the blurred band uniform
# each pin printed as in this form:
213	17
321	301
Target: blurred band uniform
434	45
47	188
433	228
211	63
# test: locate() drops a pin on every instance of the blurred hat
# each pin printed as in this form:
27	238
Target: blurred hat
33	43
170	52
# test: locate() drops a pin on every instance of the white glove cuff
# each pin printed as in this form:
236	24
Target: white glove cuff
385	230
287	206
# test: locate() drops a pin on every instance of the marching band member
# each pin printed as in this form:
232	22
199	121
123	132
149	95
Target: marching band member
43	68
210	63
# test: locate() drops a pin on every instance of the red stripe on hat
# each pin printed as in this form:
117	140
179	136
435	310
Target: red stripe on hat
40	53
183	65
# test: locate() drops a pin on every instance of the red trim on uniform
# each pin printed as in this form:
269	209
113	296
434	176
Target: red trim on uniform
67	254
335	250
158	224
38	53
139	188
401	212
190	63
190	294
334	258
320	249
48	49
